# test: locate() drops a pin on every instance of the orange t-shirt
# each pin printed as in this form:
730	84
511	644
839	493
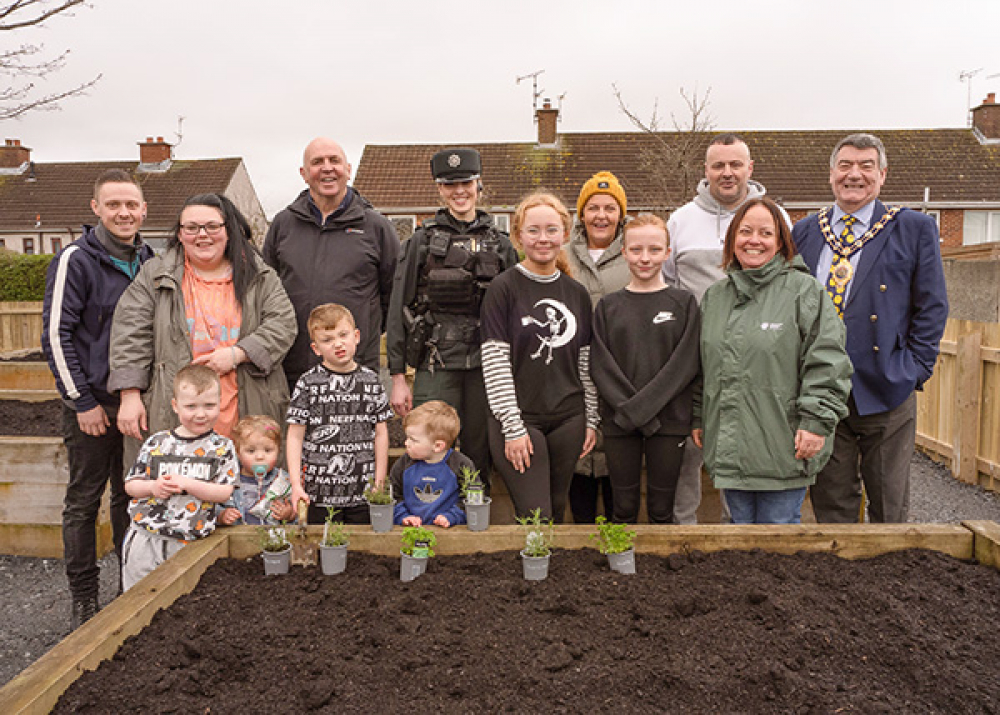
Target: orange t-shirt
214	317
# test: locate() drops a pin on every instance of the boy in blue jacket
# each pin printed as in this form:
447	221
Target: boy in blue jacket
425	479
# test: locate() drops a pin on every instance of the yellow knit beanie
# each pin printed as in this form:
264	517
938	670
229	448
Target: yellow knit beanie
603	182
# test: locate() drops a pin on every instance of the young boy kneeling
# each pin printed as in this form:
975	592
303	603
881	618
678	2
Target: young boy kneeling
425	478
178	477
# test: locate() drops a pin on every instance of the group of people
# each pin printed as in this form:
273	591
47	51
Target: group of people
565	356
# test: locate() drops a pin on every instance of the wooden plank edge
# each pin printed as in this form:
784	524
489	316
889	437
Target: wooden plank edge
987	541
845	540
38	687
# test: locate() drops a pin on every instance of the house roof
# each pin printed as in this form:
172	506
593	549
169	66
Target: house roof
793	165
60	192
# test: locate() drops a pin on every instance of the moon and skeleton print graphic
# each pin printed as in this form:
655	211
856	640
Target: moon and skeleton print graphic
340	412
543	323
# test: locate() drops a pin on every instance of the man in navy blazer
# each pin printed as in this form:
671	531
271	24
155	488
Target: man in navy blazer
882	268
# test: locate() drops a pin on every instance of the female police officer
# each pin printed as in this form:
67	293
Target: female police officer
433	323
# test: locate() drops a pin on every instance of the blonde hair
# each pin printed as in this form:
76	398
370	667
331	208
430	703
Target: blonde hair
645	220
256	424
534	200
438	418
327	317
200	377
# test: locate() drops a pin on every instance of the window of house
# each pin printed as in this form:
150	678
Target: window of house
3	243
28	246
980	227
56	245
502	221
405	225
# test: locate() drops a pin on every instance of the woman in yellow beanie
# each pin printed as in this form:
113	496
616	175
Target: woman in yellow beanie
596	260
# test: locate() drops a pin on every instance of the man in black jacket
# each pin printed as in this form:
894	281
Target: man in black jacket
331	246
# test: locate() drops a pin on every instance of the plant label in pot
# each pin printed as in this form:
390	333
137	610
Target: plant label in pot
475	491
421	549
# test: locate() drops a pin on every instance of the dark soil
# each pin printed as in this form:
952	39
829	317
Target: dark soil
44	419
911	632
31	419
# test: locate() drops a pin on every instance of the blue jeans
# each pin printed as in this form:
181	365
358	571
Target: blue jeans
778	507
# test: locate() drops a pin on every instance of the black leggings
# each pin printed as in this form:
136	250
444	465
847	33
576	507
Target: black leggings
545	484
663	465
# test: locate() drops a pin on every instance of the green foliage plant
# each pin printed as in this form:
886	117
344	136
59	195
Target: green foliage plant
273	538
333	531
539	533
613	538
467	476
22	278
379	495
413	534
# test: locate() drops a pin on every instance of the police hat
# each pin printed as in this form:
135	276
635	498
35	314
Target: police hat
453	165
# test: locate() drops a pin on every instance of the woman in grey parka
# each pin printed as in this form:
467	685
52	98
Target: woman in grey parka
210	299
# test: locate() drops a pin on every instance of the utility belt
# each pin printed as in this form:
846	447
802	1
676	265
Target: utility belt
427	336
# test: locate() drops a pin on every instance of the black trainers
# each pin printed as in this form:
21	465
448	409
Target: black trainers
83	610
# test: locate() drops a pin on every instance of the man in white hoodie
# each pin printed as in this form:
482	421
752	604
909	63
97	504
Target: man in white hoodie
697	232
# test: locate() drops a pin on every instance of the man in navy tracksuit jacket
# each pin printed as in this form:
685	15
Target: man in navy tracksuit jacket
82	288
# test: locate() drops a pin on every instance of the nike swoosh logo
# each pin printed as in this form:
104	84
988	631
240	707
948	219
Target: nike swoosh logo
663	316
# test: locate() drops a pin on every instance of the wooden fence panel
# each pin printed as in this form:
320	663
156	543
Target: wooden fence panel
20	325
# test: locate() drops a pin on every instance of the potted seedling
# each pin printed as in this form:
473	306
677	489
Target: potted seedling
418	547
333	547
617	543
537	545
275	548
380	506
477	504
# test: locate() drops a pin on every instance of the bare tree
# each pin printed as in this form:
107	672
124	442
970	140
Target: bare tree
674	158
27	61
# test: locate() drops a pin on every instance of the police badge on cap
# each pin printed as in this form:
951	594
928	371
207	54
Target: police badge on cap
453	165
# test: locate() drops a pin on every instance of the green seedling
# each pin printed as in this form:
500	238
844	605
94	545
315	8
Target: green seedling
613	538
471	486
273	538
377	495
418	538
333	531
540	532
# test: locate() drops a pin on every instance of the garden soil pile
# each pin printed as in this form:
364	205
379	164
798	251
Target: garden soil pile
913	632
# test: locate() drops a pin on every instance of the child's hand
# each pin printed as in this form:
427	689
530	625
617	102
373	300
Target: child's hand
166	485
282	510
412	521
298	494
229	516
442	521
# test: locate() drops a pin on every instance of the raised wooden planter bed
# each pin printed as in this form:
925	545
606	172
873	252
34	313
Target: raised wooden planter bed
33	477
39	687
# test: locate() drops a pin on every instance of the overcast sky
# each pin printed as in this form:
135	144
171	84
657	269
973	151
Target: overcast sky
259	79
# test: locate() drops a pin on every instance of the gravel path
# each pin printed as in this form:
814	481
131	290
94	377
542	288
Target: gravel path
36	601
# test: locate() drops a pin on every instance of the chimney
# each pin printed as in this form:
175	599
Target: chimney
986	117
546	117
13	155
154	152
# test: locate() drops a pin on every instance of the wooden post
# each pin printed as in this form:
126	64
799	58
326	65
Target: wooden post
968	381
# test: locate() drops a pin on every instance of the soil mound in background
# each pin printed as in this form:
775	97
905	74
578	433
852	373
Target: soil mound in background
910	632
